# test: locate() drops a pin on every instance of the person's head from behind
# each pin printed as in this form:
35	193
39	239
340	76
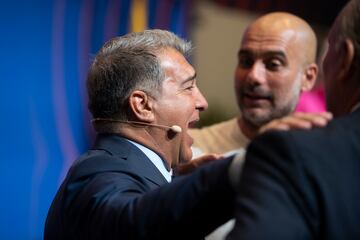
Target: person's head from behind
144	77
341	65
276	62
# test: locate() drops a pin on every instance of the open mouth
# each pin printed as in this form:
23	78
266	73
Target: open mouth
192	124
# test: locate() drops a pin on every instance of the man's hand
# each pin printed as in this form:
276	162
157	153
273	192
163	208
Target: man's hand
185	168
298	120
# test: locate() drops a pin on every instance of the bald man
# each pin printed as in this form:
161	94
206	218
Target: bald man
304	184
276	62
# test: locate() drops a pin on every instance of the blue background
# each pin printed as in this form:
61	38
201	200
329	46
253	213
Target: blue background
46	48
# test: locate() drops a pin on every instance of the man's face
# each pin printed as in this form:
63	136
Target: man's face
180	100
269	74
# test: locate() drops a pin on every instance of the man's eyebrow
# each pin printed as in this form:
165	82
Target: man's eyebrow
244	52
275	53
191	78
266	53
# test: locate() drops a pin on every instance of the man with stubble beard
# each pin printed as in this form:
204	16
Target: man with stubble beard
276	62
303	184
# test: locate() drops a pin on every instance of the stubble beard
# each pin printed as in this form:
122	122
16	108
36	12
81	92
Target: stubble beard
274	112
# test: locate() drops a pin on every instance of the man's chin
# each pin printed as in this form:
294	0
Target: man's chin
185	155
256	119
187	158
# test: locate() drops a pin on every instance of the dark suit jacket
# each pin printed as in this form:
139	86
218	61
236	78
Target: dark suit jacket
302	184
115	192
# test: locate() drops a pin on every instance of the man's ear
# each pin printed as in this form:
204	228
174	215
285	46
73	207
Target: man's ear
310	77
346	58
141	106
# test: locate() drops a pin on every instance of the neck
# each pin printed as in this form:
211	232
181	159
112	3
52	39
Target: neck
154	139
248	129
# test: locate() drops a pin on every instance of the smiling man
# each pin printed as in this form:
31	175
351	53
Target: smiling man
143	97
179	103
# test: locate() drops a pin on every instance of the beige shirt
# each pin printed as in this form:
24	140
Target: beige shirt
223	138
219	138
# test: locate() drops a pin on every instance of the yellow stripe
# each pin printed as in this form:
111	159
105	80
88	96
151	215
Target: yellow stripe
138	15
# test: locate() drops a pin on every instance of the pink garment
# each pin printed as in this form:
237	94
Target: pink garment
312	101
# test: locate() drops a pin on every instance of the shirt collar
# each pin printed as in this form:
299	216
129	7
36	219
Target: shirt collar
155	159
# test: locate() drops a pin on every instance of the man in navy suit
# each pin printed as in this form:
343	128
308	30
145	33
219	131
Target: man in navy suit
143	97
304	184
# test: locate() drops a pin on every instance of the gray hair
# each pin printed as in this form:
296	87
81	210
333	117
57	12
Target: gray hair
125	64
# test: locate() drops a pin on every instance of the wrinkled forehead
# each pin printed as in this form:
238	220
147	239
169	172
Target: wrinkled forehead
175	65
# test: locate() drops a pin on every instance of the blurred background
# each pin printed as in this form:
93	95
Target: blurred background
46	48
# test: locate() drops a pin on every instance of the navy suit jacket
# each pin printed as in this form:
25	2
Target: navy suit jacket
115	192
302	184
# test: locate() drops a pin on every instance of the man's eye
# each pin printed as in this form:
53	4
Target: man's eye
245	62
273	64
189	87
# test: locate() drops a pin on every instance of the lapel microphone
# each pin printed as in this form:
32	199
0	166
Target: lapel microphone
174	128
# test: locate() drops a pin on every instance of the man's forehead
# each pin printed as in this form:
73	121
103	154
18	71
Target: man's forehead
180	79
280	44
269	37
176	68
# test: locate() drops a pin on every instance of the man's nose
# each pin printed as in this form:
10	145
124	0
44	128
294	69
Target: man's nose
257	73
201	104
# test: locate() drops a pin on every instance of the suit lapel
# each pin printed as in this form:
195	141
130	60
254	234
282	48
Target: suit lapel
136	161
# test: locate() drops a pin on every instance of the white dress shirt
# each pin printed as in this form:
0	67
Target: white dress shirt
155	159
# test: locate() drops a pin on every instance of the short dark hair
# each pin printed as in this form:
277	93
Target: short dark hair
125	64
349	27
